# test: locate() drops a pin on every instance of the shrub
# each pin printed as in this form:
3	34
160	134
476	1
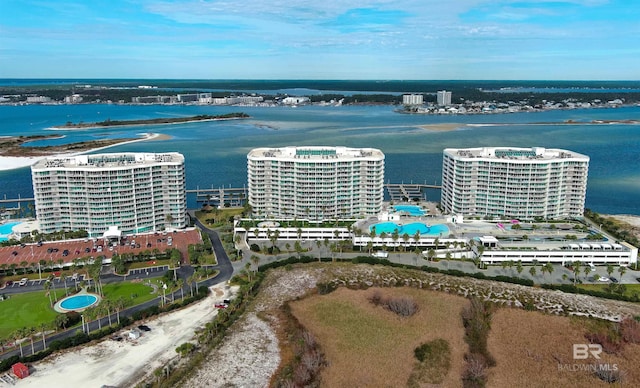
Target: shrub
404	307
326	288
255	247
431	351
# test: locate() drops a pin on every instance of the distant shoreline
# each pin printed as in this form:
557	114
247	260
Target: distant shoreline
16	162
157	121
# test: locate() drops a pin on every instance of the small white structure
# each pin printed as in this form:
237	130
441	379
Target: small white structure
134	334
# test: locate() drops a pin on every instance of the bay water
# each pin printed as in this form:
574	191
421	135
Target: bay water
215	151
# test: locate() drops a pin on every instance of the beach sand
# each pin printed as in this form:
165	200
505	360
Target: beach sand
125	363
442	126
14	162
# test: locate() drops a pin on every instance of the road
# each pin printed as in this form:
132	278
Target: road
223	266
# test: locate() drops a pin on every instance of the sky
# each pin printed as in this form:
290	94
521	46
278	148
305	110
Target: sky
321	39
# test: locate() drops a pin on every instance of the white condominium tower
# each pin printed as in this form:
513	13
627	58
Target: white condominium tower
315	183
412	99
444	97
514	182
137	192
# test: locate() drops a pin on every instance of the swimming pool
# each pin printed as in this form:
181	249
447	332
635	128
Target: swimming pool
411	229
5	230
78	302
413	210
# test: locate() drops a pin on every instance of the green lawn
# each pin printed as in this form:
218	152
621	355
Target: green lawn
630	289
25	310
32	308
132	293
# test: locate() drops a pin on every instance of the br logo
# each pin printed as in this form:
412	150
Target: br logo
582	351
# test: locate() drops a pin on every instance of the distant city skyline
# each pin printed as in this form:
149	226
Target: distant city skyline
359	39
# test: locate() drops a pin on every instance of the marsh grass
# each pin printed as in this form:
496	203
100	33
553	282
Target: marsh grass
354	332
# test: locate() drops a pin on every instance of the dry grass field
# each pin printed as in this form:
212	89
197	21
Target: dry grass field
528	346
369	346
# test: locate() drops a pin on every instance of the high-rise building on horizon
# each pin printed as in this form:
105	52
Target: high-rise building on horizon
412	99
315	183
135	192
444	97
514	182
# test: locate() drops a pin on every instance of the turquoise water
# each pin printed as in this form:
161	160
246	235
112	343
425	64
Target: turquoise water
5	230
413	210
77	302
411	229
412	153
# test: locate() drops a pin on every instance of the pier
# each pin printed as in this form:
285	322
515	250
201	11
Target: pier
408	191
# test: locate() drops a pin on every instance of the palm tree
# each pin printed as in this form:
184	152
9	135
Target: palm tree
107	305
43	328
52	278
63	278
190	280
255	260
31	332
622	269
576	271
550	268
587	270
610	269
248	270
119	305
532	271
47	288
416	237
395	236
18	335
519	267
180	285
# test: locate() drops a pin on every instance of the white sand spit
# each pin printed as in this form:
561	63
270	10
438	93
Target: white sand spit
247	358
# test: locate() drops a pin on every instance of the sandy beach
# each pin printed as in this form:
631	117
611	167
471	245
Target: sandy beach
125	363
442	126
14	162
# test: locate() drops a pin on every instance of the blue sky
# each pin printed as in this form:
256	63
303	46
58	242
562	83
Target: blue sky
326	39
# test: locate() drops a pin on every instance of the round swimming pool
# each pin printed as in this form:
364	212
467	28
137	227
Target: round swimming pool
78	302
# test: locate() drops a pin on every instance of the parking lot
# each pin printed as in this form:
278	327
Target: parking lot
64	252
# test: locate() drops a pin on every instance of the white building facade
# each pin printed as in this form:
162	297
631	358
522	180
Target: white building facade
137	192
412	99
444	97
315	183
514	182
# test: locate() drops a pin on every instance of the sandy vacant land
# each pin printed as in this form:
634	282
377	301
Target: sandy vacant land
354	333
124	363
529	346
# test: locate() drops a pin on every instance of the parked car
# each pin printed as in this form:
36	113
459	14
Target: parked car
87	250
613	280
144	328
603	279
65	252
23	282
220	306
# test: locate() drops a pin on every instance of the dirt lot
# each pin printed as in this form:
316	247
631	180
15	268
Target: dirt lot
353	332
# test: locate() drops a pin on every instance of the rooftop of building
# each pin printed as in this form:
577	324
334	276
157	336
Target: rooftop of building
514	153
316	153
109	160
